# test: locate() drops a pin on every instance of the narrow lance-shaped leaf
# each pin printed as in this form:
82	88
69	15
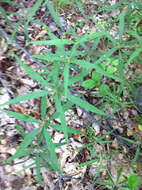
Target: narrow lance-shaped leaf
51	149
98	171
66	77
53	42
26	167
34	75
20	116
134	54
92	36
61	116
121	25
16	29
33	10
69	129
37	162
50	57
26	142
85	105
80	7
53	13
3	12
43	106
20	130
25	97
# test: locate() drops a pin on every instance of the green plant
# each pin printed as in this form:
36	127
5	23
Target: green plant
132	182
91	83
57	81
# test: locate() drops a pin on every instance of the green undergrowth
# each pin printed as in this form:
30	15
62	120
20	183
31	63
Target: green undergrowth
101	64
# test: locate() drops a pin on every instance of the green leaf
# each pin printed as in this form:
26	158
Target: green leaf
111	69
34	75
104	90
53	13
22	148
134	55
20	116
61	116
66	78
119	173
25	97
103	66
87	163
51	149
20	130
105	183
43	107
53	42
80	7
98	171
102	30
85	105
16	29
115	62
50	57
121	25
67	2
84	64
133	182
3	12
140	127
80	76
92	36
88	84
25	168
69	129
110	177
129	140
37	162
33	10
96	77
